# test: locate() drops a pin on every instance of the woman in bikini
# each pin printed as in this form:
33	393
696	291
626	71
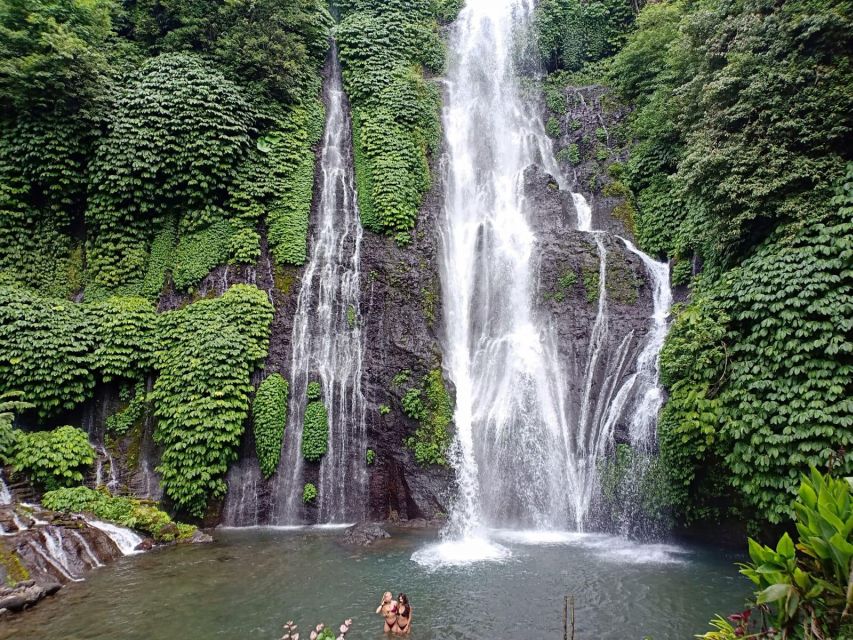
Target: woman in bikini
388	610
404	616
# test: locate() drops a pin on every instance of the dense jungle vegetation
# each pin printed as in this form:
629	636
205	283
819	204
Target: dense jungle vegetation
144	144
738	169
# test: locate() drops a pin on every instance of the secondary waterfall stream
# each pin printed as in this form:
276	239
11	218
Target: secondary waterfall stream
527	447
327	337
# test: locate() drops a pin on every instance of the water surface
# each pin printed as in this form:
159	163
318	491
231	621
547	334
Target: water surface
248	583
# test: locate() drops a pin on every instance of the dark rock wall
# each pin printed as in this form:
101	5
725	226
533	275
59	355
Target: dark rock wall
401	311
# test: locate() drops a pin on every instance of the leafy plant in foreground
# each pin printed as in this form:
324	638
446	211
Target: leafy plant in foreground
803	591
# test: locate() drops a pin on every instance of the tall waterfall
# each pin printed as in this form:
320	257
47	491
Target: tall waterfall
527	446
327	337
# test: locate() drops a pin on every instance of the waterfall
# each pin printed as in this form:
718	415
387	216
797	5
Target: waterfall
527	442
327	336
5	494
126	540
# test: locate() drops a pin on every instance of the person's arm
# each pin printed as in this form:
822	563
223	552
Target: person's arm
409	626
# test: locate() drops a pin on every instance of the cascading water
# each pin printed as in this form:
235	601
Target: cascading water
327	337
526	451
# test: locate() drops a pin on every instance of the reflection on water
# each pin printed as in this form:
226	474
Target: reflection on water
247	584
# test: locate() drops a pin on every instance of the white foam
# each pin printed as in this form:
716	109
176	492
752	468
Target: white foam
125	539
333	526
538	537
5	494
455	553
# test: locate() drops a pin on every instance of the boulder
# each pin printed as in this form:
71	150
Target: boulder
365	534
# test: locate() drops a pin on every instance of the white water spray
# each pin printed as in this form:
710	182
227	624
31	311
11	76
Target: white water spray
522	456
126	540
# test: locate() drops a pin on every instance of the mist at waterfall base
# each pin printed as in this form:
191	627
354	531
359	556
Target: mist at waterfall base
251	581
530	440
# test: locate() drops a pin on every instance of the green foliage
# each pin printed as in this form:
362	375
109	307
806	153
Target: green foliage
309	493
719	177
126	512
383	48
693	367
803	589
132	414
384	409
54	459
413	404
45	351
274	47
207	354
565	283
591	278
288	165
552	127
54	85
788	403
402	378
125	336
314	390
161	258
197	125
432	438
759	370
448	10
315	431
634	490
570	154
572	33
198	252
269	414
10	404
370	457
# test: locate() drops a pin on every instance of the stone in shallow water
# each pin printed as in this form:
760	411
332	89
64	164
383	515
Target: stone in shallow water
365	534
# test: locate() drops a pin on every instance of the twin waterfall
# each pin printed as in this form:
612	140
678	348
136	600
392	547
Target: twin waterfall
532	425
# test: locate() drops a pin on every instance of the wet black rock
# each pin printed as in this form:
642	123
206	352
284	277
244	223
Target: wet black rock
364	534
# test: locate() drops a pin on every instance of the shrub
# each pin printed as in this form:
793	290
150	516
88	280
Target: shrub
208	352
413	405
131	415
314	391
370	457
395	110
309	493
315	431
54	459
803	589
269	413
432	438
45	351
126	512
197	124
9	436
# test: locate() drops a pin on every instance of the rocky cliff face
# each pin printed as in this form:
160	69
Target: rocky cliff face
569	277
40	551
401	316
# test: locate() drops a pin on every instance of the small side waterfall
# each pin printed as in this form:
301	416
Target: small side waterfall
126	540
5	494
327	337
529	440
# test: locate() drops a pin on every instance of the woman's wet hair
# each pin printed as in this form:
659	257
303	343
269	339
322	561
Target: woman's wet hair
403	599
